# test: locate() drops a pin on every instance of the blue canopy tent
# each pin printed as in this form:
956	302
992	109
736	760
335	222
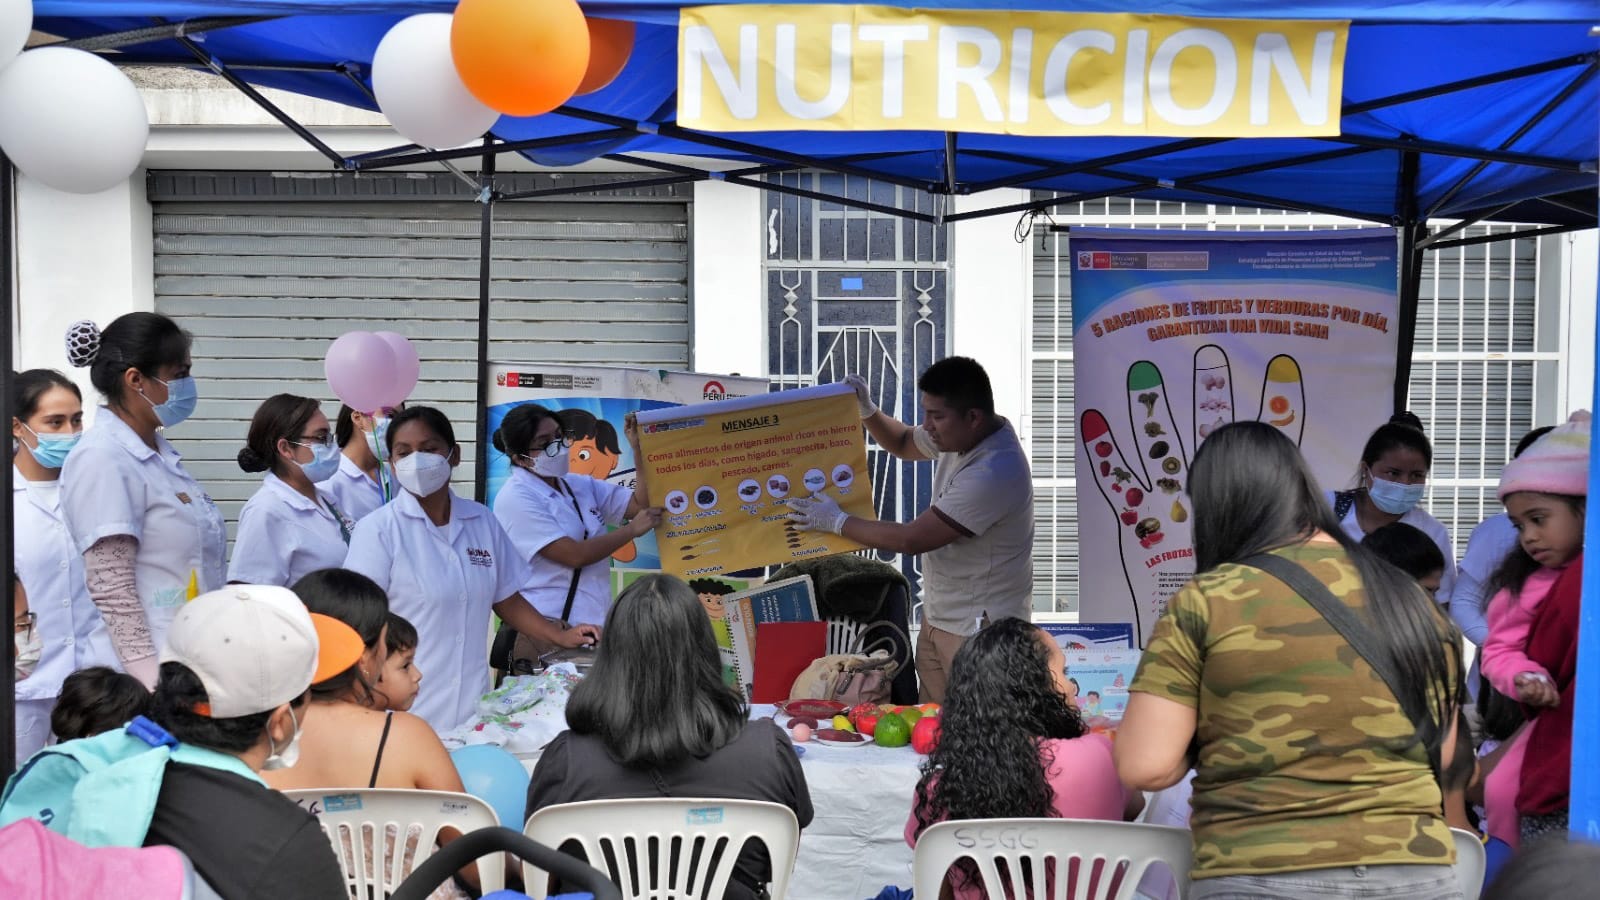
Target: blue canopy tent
1450	109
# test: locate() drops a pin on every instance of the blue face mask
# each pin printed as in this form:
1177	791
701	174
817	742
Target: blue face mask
52	449
1395	498
324	461
182	398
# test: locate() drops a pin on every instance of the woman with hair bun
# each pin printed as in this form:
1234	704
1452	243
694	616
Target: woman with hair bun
290	528
150	536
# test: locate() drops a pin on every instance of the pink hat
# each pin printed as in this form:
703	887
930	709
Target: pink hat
1557	463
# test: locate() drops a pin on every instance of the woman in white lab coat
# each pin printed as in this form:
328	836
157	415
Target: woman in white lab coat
149	534
559	519
290	527
362	483
67	634
446	564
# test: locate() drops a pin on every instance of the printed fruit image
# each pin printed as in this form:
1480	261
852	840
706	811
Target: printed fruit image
1103	449
925	735
866	718
1105	468
1279	405
892	731
1179	514
1129	517
1135	496
840	723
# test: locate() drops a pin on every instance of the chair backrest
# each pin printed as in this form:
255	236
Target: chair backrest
381	834
1471	863
665	847
843	635
1077	859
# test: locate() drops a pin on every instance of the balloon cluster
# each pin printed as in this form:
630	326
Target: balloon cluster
372	371
443	80
68	119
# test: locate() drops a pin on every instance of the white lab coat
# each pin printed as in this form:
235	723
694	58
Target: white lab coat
51	571
356	495
1419	519
284	536
537	515
113	483
445	581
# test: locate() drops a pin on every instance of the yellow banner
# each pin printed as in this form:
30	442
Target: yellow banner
723	472
881	68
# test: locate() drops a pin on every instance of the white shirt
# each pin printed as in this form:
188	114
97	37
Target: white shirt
51	570
537	515
1419	519
356	494
113	483
985	493
445	581
284	536
1491	542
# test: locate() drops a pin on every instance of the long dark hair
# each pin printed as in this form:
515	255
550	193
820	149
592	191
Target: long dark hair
172	706
517	430
145	341
1252	492
1002	700
279	417
28	388
1403	430
655	696
357	601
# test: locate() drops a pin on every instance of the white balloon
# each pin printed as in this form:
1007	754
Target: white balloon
417	87
16	22
71	120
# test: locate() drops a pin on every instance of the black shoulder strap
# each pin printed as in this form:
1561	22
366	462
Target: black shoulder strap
388	719
572	588
1344	620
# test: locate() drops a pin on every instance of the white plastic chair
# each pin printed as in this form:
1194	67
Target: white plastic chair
1085	859
844	635
702	840
371	831
1471	863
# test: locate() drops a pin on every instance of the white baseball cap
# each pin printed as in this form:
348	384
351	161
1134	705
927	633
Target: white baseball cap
256	647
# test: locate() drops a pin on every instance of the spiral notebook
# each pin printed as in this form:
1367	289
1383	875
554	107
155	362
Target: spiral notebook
789	600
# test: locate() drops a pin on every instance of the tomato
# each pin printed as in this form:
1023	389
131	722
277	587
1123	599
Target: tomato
865	717
925	735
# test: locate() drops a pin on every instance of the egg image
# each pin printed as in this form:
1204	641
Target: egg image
815	480
705	496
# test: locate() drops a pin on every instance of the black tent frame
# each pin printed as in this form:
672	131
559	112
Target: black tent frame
1410	222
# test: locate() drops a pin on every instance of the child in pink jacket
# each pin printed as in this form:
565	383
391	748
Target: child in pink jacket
1544	491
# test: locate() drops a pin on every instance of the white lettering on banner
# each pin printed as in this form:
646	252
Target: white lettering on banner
838	75
894	39
975	76
701	51
1133	76
1055	77
1227	76
1273	54
1021	73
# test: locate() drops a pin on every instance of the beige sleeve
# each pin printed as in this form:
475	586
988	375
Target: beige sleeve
109	570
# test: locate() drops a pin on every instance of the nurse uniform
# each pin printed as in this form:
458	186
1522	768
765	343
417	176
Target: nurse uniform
284	535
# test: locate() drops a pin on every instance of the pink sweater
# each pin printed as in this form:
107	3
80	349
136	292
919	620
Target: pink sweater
1505	651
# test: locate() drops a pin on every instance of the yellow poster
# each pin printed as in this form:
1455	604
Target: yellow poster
724	472
817	67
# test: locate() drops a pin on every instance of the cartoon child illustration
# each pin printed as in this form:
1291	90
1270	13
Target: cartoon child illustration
595	453
711	591
1091	703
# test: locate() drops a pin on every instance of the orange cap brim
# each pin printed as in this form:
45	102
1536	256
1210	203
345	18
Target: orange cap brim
338	647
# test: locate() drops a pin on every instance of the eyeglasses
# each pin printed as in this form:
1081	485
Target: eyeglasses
316	440
553	447
24	624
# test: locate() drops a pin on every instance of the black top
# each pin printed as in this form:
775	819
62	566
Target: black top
246	840
759	764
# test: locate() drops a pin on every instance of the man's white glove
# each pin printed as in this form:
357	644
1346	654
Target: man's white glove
863	396
819	512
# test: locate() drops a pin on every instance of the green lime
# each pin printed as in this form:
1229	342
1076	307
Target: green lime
892	731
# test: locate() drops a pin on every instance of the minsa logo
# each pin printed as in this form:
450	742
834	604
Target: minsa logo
480	557
714	391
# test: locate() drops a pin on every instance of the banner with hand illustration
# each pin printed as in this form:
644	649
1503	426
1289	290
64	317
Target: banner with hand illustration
1176	334
726	472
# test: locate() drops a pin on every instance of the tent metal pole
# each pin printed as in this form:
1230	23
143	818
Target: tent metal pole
1410	275
1064	169
1512	235
165	31
663	181
950	152
8	240
117	59
1463	151
244	87
826	198
486	196
387	159
1549	107
1432	240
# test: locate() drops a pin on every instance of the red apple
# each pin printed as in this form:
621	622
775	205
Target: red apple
1135	496
1103	449
1129	517
925	735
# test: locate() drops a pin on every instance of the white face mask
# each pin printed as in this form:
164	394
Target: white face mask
28	654
423	474
552	466
290	754
377	438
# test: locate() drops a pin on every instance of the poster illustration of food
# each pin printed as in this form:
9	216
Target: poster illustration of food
726	473
591	402
1176	334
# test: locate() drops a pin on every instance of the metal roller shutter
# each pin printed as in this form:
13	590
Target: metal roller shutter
266	269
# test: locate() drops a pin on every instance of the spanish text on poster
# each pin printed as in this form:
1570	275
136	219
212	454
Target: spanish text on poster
1177	334
724	472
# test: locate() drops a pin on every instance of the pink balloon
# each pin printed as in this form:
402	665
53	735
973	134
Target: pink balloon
360	368
406	367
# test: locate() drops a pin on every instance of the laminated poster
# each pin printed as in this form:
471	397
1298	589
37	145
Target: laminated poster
724	473
1102	677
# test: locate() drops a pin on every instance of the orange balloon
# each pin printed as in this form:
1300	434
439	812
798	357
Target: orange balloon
610	45
521	57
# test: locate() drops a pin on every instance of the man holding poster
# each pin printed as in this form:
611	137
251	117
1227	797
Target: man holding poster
976	539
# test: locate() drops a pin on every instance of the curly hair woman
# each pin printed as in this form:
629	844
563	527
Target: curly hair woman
1012	744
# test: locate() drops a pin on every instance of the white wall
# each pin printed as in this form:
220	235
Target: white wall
990	294
1580	252
725	282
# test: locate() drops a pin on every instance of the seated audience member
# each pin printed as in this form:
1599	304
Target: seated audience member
231	690
1406	548
654	719
1012	744
1547	870
96	700
401	680
1457	777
